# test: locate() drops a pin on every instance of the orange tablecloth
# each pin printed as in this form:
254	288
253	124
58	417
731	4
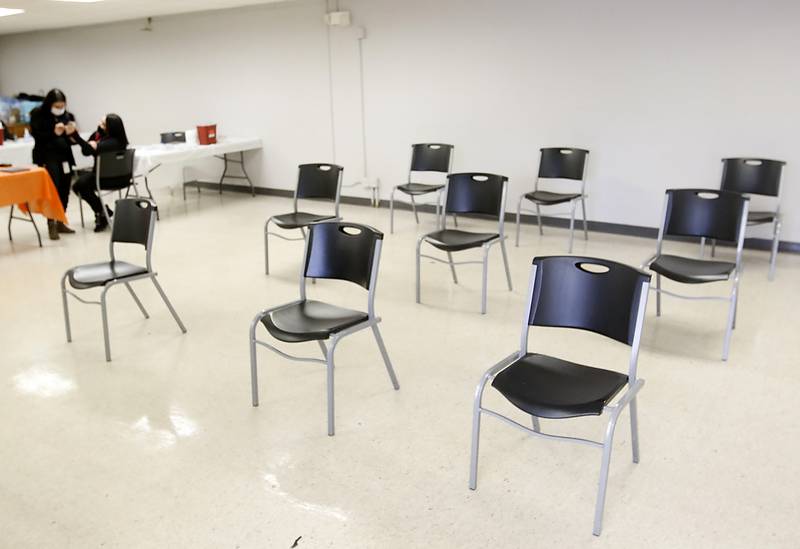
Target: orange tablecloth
35	188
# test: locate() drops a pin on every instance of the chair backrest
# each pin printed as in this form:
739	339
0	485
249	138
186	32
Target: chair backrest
587	293
133	222
116	164
431	157
318	181
562	163
342	251
705	213
752	175
479	193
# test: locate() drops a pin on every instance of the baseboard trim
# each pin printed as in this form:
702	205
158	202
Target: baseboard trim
511	218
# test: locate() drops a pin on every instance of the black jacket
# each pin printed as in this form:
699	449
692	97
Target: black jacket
104	145
48	146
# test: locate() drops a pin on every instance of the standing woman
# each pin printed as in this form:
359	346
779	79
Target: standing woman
109	137
52	128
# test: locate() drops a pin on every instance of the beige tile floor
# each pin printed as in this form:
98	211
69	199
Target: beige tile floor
161	448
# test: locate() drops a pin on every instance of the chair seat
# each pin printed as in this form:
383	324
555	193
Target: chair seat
99	274
756	218
549	387
309	321
692	271
453	240
548	198
419	188
295	220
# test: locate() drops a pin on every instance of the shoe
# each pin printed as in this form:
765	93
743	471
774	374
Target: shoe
52	230
100	223
63	229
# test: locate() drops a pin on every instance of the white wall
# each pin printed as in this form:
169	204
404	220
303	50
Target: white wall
658	91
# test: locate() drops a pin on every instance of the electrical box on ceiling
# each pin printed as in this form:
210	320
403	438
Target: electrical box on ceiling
338	18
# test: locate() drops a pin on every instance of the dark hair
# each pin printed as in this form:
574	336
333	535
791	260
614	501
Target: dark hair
53	96
116	129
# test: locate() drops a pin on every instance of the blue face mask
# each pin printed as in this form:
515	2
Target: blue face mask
58	112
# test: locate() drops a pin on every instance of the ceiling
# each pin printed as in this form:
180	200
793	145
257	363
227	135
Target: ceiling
52	14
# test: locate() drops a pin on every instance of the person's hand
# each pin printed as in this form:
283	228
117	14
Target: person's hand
93	144
71	128
60	128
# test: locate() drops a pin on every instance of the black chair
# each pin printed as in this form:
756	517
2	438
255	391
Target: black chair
703	213
762	177
320	181
583	293
470	193
558	163
134	223
425	157
334	250
113	174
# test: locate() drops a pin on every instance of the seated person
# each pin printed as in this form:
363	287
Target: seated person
109	137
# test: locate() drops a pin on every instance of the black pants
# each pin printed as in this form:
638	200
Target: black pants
85	187
61	180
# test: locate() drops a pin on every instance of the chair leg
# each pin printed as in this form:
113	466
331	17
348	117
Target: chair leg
505	264
519	217
535	424
266	246
604	466
323	348
658	295
136	299
484	288
773	258
168	304
452	267
455	220
731	319
572	226
80	209
330	366
476	434
65	305
391	211
702	247
414	208
104	313
253	363
439	213
713	247
634	430
585	222
385	355
539	219
419	245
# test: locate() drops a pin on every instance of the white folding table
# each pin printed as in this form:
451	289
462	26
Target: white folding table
228	149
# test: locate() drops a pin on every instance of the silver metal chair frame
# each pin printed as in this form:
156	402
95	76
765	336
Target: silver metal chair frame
151	274
614	410
329	349
267	232
573	203
487	246
732	298
411	196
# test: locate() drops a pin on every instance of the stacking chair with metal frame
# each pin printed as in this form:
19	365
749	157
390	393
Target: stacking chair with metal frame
702	213
558	163
762	177
584	293
334	250
320	181
425	157
134	223
470	193
113	165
